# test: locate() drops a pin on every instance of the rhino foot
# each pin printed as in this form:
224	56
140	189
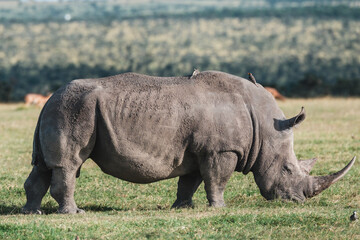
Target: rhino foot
187	186
183	204
81	211
31	211
217	204
70	211
62	190
215	178
36	186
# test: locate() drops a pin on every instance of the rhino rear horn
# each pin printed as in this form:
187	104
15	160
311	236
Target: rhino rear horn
320	183
306	165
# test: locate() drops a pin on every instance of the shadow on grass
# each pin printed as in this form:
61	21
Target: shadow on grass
12	209
99	208
9	210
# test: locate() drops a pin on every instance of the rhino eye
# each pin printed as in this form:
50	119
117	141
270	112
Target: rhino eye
286	169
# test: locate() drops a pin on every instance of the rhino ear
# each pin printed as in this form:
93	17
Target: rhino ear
289	123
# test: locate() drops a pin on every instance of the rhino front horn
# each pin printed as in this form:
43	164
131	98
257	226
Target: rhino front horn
320	183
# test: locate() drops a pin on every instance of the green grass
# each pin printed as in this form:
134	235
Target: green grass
117	209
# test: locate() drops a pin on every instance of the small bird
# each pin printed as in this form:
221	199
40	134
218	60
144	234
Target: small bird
196	72
252	78
354	216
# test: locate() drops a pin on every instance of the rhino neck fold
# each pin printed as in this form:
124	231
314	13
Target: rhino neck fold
248	161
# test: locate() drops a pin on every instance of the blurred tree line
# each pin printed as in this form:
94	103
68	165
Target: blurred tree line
304	51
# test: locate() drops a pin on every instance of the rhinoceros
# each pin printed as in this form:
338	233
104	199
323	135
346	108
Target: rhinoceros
144	129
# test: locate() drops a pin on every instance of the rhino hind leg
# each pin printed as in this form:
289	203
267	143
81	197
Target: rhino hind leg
187	186
216	170
62	189
36	186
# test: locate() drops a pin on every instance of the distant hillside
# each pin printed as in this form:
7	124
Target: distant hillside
304	48
38	11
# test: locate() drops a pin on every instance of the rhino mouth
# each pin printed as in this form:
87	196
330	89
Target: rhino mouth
296	197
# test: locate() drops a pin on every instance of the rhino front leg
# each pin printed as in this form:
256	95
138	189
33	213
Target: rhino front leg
62	189
187	186
216	170
36	186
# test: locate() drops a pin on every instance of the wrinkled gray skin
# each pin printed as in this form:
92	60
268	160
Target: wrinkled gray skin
144	129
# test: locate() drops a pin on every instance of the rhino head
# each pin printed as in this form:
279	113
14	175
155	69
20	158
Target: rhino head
280	175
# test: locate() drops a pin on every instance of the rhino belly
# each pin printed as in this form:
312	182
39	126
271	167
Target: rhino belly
144	169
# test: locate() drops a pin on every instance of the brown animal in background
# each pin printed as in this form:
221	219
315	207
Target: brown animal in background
275	93
36	99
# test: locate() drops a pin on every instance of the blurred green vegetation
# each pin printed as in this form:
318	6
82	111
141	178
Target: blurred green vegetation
301	49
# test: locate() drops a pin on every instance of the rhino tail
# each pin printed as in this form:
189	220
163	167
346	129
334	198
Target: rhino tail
37	155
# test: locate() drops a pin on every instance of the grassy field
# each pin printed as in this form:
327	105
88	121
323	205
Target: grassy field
120	210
